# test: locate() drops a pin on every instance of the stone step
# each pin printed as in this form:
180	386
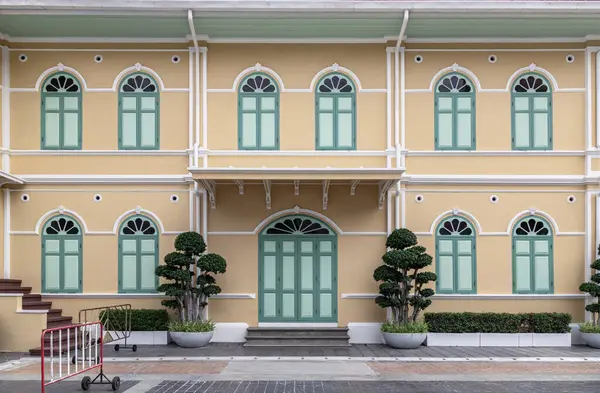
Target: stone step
35	305
297	332
9	283
15	289
55	322
299	337
294	343
32	297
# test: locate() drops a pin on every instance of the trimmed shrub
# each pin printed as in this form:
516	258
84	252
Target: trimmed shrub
448	322
142	320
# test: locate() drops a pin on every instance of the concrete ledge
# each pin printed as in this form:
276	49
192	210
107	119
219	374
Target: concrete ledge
365	333
230	332
142	338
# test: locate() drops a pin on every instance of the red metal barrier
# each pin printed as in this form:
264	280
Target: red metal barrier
73	350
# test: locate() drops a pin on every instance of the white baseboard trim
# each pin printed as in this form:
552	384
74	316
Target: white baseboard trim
230	332
365	333
296	325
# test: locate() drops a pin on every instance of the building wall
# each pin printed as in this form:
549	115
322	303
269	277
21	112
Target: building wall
465	179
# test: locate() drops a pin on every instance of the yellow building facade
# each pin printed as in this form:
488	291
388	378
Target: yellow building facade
295	157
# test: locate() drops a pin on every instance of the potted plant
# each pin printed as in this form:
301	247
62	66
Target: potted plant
590	331
401	289
190	272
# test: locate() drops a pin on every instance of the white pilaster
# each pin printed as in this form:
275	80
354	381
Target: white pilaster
6	233
5	108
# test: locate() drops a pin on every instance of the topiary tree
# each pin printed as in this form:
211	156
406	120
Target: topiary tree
190	293
593	289
402	281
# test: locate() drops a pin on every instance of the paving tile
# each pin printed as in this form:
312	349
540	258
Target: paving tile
61	387
389	387
475	368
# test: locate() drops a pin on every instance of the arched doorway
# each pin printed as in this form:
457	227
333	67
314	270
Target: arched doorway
297	271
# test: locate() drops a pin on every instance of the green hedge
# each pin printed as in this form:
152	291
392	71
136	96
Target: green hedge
466	322
142	320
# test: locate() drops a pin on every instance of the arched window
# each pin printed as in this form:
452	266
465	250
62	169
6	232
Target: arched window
531	113
61	112
455	256
138	255
533	270
336	113
139	113
61	255
454	113
258	113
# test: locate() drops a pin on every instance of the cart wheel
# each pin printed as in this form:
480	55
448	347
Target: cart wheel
73	360
98	360
117	347
85	383
134	348
116	383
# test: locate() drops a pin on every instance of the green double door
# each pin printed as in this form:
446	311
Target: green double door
297	279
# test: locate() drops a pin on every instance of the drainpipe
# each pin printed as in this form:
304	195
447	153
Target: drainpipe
197	85
399	143
397	76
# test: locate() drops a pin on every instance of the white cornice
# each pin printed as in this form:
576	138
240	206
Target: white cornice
483	296
106	179
499	179
99	152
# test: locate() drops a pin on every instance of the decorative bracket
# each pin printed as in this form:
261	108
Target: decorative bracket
138	66
335	67
384	187
325	193
296	209
267	184
211	189
61	67
296	187
61	209
257	66
240	185
455	67
532	212
455	212
532	67
353	186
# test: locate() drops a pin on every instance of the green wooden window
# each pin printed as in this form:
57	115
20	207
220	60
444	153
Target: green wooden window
61	256
533	270
258	113
336	113
61	113
297	271
455	256
454	113
138	255
531	113
139	113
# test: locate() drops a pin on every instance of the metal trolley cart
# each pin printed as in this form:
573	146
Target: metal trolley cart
59	343
116	321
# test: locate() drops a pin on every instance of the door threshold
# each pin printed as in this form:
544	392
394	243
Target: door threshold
298	324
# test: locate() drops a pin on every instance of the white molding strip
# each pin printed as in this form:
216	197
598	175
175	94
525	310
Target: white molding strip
298	153
5	66
511	223
506	89
297	324
106	179
493	191
99	40
550	180
476	296
138	296
100	152
6	229
253	233
61	67
495	153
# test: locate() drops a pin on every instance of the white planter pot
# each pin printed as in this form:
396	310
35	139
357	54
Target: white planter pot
141	338
576	335
191	340
453	339
499	340
591	339
404	340
551	339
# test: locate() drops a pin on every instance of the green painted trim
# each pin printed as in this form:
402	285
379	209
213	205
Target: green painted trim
455	239
316	253
61	111
335	111
138	111
138	239
531	239
531	111
455	112
258	112
61	254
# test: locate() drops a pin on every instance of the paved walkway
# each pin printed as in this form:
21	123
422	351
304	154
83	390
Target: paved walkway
368	351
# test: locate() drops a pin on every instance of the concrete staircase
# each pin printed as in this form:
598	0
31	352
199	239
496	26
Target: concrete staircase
297	337
34	302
